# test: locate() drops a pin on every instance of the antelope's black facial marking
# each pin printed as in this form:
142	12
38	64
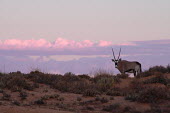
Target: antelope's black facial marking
116	62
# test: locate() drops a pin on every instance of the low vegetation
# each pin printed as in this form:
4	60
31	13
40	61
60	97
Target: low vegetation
102	93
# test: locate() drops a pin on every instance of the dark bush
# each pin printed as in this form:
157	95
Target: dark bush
6	96
158	79
91	92
152	94
132	97
79	99
80	86
104	100
155	69
40	102
111	108
85	76
123	76
17	103
23	95
105	83
113	93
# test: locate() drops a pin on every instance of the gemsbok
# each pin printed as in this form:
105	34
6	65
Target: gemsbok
127	66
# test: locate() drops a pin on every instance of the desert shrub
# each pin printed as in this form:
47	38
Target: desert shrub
61	99
15	82
62	86
79	99
86	102
113	93
40	102
6	96
111	98
168	68
100	73
45	97
104	100
55	96
148	95
105	83
127	109
1	90
15	102
111	108
78	87
155	109
97	98
36	71
70	77
42	78
23	95
91	92
16	73
152	94
132	97
136	86
158	79
90	108
158	69
154	69
85	76
145	74
123	76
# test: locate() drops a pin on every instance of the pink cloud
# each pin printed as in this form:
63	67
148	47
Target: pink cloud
59	43
103	43
24	44
127	44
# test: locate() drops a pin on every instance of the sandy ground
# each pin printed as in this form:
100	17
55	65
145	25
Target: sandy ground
16	109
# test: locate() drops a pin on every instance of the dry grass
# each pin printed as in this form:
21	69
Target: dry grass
104	92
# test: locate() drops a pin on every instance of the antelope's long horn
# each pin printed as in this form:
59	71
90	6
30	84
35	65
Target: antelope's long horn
119	54
113	54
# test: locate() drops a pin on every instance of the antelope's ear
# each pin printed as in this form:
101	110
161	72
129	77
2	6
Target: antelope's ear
113	60
120	59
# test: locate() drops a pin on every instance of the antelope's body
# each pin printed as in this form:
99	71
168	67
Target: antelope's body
127	66
131	67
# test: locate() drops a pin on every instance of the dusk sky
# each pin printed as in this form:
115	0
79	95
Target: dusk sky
81	33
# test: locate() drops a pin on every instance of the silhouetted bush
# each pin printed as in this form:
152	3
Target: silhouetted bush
111	108
15	82
105	83
152	94
80	86
40	102
15	102
136	86
114	93
104	100
91	92
132	97
123	76
158	79
6	96
149	95
85	76
155	69
23	95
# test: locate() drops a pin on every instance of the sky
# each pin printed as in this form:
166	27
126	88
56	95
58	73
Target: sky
112	20
81	33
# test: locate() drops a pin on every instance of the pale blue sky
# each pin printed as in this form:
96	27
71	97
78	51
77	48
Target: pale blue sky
110	20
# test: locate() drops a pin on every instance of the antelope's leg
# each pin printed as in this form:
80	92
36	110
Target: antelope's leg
134	72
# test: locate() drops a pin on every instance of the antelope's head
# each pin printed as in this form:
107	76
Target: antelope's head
116	61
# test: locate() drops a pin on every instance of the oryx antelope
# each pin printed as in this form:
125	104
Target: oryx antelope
126	66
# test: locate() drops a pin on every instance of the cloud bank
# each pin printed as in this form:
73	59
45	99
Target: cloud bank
79	57
59	43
